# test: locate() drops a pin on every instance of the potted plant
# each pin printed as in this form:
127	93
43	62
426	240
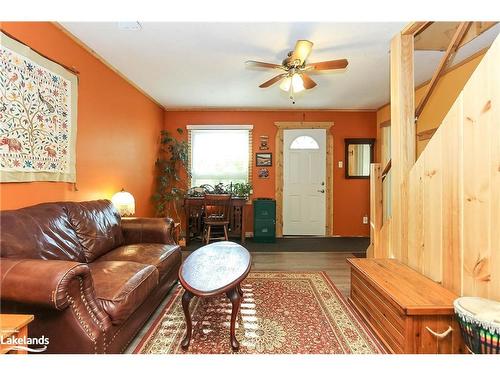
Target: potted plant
236	189
241	189
171	163
220	188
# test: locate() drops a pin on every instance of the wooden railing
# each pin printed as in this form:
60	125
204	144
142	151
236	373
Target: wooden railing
453	193
379	230
386	169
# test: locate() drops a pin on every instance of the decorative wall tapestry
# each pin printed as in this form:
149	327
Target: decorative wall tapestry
38	112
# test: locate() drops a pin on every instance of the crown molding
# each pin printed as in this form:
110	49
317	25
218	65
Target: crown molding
260	109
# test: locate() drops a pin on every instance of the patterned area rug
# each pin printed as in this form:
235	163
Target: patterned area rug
281	312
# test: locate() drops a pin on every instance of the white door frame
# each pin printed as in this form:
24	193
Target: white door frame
304	193
279	171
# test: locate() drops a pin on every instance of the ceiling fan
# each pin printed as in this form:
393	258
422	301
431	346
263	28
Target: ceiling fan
295	70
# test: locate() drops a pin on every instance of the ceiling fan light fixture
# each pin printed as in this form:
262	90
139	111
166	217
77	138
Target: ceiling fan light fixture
295	69
293	82
297	83
285	84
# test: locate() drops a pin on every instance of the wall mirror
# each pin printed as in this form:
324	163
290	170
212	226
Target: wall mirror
358	157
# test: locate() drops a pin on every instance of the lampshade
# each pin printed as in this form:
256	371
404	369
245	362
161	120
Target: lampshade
295	81
285	84
124	203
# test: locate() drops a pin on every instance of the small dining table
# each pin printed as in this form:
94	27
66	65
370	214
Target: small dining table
193	211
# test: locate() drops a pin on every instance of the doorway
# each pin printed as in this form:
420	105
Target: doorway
304	177
304	183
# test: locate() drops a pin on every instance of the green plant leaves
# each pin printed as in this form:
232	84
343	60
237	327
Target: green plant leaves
171	162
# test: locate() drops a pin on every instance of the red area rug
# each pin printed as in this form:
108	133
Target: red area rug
281	312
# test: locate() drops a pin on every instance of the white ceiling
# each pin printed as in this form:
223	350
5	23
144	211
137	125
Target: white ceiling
199	65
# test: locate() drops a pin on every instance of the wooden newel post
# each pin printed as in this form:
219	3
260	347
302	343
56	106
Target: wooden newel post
403	140
375	210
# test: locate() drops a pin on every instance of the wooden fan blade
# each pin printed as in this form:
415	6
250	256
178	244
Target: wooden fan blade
260	64
328	65
308	82
301	51
273	80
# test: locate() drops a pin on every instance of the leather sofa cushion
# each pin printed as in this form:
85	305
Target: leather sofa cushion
163	257
42	231
121	287
97	225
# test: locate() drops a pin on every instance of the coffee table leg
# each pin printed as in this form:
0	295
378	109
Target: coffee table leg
235	298
186	298
239	290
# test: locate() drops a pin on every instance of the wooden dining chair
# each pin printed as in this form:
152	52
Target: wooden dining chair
216	208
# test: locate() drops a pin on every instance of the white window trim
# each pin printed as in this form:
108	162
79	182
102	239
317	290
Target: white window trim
222	127
219	127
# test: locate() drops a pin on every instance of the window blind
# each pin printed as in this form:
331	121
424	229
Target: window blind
220	154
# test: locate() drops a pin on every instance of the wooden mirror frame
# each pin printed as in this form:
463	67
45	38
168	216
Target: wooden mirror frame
357	141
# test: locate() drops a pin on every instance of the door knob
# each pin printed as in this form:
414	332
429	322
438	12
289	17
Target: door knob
321	191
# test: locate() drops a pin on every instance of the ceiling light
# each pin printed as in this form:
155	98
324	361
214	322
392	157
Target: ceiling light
129	26
293	83
285	84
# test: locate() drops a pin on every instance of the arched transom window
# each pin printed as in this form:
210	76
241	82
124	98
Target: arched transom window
304	142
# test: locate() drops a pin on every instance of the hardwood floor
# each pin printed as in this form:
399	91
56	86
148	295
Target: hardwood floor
332	263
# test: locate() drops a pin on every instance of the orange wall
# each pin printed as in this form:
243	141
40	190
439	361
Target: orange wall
118	129
351	198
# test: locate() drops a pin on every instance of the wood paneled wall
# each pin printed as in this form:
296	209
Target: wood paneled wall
454	192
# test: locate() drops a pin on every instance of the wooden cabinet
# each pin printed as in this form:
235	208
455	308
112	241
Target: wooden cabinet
13	326
408	312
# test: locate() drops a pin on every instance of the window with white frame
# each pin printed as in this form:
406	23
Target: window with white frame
220	154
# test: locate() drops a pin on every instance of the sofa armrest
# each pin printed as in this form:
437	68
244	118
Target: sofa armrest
55	285
46	283
148	230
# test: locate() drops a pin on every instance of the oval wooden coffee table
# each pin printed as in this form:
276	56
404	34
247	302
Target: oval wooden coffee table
214	269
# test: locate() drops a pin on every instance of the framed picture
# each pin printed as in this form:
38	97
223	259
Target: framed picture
263	159
263	173
264	142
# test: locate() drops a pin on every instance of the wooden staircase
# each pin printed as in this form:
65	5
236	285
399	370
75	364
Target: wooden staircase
445	220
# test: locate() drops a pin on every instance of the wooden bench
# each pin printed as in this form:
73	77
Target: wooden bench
408	312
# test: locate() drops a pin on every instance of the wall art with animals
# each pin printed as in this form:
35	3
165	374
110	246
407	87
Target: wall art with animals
37	123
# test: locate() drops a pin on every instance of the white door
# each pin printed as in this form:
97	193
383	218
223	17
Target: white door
304	178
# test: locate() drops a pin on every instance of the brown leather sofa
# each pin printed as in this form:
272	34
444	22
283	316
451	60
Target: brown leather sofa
90	278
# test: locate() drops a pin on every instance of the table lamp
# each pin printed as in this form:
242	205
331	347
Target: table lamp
124	203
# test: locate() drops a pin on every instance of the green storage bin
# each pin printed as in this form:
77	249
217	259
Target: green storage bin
264	220
264	231
265	209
